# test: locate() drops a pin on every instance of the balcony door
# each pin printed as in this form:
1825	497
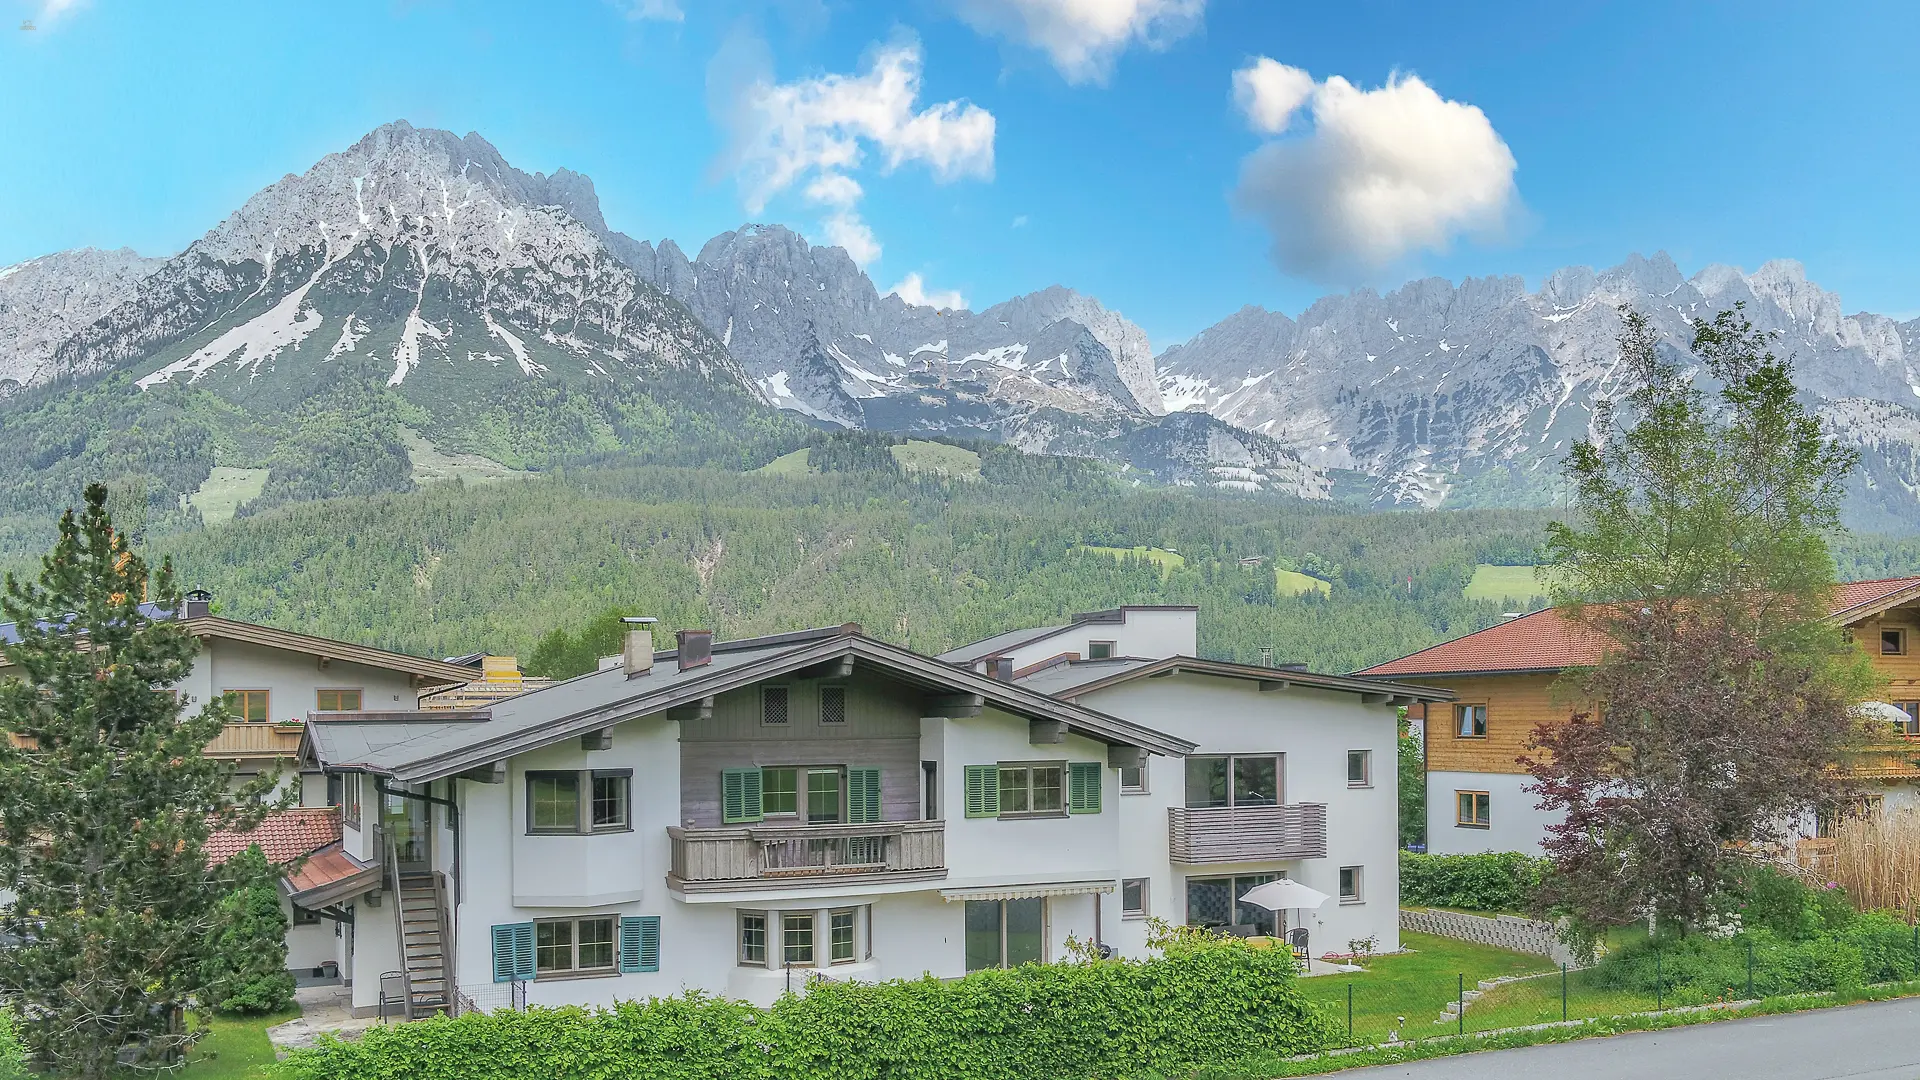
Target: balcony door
1223	780
410	824
1215	903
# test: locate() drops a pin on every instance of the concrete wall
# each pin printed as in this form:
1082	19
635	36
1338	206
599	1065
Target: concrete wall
1500	931
1314	729
1517	822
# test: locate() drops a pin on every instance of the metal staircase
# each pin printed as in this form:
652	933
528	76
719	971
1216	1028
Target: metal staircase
420	921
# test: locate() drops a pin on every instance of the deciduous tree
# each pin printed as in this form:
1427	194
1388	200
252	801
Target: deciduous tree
1699	558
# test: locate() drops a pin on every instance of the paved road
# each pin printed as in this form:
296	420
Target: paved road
1880	1041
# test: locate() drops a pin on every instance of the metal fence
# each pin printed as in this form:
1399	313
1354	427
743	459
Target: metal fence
490	996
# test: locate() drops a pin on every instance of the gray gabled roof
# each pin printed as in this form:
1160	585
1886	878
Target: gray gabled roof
1105	673
416	747
999	643
1064	676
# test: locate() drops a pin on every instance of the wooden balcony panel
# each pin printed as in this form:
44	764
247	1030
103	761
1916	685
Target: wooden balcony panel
1235	834
758	856
256	740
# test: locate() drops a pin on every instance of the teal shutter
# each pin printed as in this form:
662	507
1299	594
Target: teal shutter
640	943
740	795
512	952
1083	787
863	796
983	791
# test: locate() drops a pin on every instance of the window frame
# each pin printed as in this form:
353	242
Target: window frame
1357	876
1144	787
841	690
740	938
576	971
1899	635
1233	795
228	694
349	803
798	771
594	776
1145	909
1094	647
1911	726
359	698
1237	885
1046	929
584	781
1482	801
1462	710
790	923
785	694
1058	767
1365	758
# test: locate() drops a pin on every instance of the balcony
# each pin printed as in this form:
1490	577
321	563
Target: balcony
760	856
1237	834
1895	762
256	741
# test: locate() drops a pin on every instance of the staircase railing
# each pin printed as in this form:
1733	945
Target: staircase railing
392	880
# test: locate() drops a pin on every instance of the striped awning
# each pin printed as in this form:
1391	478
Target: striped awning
1026	892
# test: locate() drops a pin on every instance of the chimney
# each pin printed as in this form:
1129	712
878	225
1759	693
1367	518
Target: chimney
199	604
636	652
695	648
1266	656
1001	668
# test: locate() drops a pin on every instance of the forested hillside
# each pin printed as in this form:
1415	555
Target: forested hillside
913	557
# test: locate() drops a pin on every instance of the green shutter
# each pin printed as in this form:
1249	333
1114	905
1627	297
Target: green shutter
863	796
983	791
1083	787
740	795
640	943
512	952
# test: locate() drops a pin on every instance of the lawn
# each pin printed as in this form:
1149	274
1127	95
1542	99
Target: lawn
1295	583
236	1048
794	464
430	464
1167	561
919	455
1492	582
1415	984
225	489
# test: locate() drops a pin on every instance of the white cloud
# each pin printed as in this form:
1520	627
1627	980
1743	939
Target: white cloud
1020	221
1083	37
913	289
815	132
1382	174
845	229
1269	92
660	10
52	11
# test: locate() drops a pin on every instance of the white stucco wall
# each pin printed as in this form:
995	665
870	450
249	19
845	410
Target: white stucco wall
1001	851
309	946
292	679
1314	729
1146	633
1517	824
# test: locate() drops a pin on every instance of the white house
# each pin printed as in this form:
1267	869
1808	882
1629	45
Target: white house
740	817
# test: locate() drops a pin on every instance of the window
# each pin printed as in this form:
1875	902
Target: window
1470	721
1910	726
773	704
609	801
1133	898
797	939
930	790
555	803
833	704
1359	768
1133	781
1893	642
753	938
1000	667
1099	650
1239	780
779	791
304	917
1350	884
1475	810
247	706
823	796
569	946
840	938
349	798
337	701
1005	933
1030	789
1215	903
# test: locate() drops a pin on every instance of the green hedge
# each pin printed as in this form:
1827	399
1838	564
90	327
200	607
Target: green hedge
1498	881
13	1056
1873	948
1203	1004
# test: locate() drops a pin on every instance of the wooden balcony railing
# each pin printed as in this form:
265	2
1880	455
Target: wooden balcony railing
1898	762
256	740
1229	834
756	856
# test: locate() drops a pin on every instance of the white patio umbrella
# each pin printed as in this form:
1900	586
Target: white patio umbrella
1884	710
1284	894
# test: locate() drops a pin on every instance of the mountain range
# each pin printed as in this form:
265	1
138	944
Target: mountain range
416	290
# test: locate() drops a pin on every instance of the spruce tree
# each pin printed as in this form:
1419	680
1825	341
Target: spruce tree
106	801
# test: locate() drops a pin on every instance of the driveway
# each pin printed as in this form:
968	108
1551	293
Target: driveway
1880	1041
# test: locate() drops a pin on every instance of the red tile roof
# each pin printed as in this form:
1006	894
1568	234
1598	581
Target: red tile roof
1543	641
284	836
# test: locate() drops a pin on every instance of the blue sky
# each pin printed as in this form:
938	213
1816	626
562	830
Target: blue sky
1720	132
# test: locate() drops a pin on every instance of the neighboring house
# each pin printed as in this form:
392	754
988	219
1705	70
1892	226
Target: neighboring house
741	817
495	678
302	837
1504	678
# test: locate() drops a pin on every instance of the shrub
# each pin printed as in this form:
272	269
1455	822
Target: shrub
1496	881
244	969
13	1056
1782	903
1203	1003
